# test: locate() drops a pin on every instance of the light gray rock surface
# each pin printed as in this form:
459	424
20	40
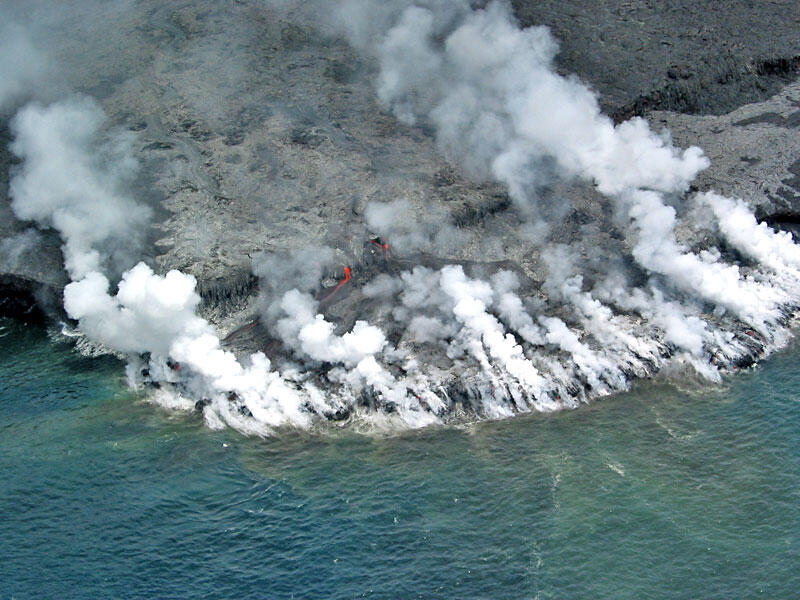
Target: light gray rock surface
754	151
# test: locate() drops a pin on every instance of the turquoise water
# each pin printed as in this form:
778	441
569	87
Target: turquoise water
664	492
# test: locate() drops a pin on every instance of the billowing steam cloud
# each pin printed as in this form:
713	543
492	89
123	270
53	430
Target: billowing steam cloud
501	113
497	104
499	109
71	179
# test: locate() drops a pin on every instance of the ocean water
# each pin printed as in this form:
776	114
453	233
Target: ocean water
678	489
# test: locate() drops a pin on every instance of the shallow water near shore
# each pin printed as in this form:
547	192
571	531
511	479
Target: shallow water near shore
669	491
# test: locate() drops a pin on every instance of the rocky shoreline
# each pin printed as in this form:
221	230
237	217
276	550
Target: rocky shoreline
257	135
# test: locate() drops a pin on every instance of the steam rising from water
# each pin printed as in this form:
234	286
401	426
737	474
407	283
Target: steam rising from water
499	111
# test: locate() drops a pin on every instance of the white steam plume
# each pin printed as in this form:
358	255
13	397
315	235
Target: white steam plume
72	178
497	104
499	109
657	250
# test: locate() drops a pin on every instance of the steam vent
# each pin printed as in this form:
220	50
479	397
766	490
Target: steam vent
394	214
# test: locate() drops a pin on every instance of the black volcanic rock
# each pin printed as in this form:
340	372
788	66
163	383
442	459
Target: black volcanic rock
689	56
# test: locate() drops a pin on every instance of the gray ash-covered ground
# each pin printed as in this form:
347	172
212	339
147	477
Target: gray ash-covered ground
259	133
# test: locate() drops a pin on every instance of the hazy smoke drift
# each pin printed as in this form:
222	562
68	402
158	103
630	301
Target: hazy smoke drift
21	66
499	111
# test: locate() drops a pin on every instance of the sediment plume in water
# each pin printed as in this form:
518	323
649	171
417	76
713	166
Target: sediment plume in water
433	342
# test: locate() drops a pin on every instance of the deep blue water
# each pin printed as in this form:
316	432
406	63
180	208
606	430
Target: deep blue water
689	491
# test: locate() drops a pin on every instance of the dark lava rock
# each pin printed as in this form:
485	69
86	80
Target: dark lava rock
18	299
693	56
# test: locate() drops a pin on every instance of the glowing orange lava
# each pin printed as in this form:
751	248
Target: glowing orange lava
338	285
